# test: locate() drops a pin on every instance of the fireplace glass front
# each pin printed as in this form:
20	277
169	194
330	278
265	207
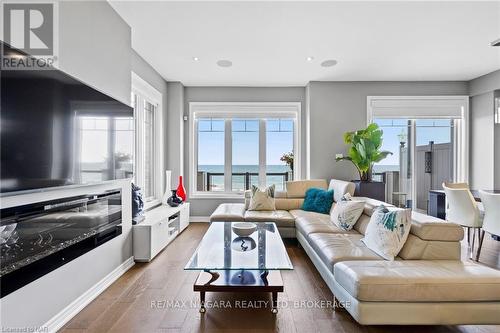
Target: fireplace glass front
38	238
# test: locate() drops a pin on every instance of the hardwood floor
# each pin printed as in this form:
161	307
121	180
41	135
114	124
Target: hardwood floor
134	302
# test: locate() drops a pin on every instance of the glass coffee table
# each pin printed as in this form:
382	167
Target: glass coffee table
229	263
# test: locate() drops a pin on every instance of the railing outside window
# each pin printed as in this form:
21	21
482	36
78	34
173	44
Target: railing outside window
249	178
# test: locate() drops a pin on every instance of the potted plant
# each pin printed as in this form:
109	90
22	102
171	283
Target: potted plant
288	159
365	150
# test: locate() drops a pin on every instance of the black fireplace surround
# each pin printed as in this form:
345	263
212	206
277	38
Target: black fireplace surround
36	239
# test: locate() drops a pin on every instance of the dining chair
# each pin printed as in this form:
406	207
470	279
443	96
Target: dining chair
456	185
462	209
491	222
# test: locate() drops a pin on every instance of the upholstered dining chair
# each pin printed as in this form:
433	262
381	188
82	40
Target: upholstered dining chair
491	222
462	209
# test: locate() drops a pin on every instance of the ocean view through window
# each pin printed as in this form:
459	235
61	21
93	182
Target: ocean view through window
234	151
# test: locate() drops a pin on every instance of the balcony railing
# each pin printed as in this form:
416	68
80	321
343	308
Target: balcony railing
206	179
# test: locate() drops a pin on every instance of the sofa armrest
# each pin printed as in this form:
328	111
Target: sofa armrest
228	212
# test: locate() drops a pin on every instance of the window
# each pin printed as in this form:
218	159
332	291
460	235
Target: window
104	145
279	152
245	153
236	146
148	156
149	148
428	139
211	155
93	132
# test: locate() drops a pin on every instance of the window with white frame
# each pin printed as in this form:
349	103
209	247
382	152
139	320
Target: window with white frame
428	136
146	102
237	145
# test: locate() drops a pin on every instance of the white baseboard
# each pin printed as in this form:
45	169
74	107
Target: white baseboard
60	319
196	219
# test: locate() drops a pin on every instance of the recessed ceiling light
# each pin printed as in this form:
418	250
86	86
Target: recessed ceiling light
496	42
196	58
224	63
310	59
329	63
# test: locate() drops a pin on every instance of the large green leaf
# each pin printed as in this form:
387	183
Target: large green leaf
348	137
364	148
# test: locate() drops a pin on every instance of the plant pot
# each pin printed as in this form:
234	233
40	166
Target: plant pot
374	190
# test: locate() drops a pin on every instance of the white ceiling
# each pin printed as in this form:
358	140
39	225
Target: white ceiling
268	42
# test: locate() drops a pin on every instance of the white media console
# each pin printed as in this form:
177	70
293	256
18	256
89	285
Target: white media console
161	225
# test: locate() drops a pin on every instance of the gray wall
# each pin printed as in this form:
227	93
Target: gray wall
484	134
497	150
175	132
485	83
95	47
482	159
337	107
204	207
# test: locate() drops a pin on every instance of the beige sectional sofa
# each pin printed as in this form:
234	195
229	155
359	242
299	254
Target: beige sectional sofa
426	284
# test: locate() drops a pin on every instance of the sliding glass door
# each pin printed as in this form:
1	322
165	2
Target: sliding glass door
423	157
396	170
434	149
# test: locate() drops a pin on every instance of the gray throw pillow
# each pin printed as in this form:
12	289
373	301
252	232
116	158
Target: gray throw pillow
262	199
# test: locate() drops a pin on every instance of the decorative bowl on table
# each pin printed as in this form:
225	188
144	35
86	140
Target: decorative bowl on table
244	229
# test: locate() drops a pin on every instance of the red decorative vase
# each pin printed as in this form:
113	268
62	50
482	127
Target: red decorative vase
181	192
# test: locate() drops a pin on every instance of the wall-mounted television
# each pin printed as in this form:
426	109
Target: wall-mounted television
57	131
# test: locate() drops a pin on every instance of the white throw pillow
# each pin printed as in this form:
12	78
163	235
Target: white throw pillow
262	200
387	231
346	213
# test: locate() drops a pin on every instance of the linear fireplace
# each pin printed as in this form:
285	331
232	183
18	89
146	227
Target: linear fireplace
36	239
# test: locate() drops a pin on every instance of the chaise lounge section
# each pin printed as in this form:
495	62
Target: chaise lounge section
427	283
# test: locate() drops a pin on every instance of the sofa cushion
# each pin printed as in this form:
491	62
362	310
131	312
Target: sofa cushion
288	203
431	228
418	281
310	222
229	212
298	188
334	248
362	223
417	248
424	226
282	218
340	188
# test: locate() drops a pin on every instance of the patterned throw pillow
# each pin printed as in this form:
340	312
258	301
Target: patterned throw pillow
387	231
346	212
262	200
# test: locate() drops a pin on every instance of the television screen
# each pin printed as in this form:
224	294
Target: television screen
57	131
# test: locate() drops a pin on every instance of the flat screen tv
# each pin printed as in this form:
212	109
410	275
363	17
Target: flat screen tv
57	131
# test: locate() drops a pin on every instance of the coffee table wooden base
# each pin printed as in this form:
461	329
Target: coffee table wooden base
239	281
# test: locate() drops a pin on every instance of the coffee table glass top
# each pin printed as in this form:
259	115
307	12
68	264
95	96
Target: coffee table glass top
222	249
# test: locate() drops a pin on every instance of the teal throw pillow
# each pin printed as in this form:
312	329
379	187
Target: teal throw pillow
318	200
